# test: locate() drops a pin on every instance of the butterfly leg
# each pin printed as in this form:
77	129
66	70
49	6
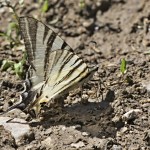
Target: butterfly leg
84	96
59	102
99	90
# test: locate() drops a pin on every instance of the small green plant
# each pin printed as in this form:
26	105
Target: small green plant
45	6
82	4
123	70
17	67
123	66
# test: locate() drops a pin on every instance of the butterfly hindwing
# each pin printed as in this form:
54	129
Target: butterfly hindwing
67	71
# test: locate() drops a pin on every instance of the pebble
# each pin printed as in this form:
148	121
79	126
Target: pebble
88	23
132	114
48	131
85	134
17	127
115	119
146	84
123	129
48	142
78	145
116	147
78	127
134	147
63	128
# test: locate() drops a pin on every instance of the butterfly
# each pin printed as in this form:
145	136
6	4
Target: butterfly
54	67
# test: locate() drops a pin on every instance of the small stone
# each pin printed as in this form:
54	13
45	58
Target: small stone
146	84
88	23
78	145
17	127
85	134
118	134
63	128
48	131
123	130
48	142
132	114
134	147
116	147
116	119
81	30
78	127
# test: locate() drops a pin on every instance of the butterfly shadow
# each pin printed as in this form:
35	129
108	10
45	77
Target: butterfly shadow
94	118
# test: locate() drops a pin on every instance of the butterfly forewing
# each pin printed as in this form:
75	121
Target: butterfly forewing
39	41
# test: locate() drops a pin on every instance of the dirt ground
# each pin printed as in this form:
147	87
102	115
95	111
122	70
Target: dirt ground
121	29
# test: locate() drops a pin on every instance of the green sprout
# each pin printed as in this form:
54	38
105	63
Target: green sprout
123	66
45	6
17	67
82	4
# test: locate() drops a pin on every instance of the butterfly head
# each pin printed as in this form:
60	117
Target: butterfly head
35	108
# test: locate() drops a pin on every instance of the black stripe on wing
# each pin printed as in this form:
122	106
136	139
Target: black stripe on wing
47	52
64	45
57	55
46	31
74	68
66	59
79	76
28	28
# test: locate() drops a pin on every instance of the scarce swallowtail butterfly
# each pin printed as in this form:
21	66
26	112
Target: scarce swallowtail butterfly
54	68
